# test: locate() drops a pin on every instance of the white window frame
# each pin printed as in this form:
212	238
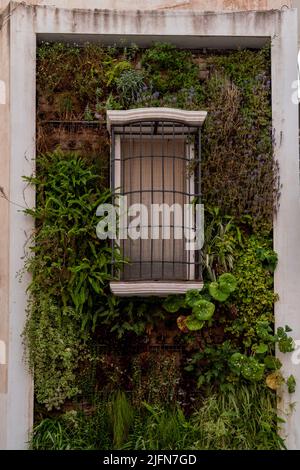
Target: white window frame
126	117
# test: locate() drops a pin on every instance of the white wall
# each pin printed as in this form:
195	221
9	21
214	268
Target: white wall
203	5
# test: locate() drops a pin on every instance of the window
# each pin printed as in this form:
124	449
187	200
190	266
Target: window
155	171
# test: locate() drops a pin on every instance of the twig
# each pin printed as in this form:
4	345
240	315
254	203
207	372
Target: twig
3	195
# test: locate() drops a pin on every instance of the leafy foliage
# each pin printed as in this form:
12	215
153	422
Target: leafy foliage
223	239
225	363
169	68
70	268
254	296
243	418
121	418
201	306
70	304
203	310
130	86
238	168
291	383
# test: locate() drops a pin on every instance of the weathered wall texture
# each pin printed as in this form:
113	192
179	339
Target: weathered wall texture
16	393
203	5
4	216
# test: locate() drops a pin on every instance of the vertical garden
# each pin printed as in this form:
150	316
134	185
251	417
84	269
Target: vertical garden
187	372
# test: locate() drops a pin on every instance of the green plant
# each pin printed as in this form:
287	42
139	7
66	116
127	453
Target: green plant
220	290
230	362
55	348
237	161
285	342
130	315
70	304
121	418
254	296
70	270
223	237
268	258
74	430
169	69
249	367
163	429
155	378
130	86
116	70
203	310
211	365
173	303
240	418
291	383
201	306
88	115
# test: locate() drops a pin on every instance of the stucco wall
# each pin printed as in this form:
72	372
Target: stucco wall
204	5
4	216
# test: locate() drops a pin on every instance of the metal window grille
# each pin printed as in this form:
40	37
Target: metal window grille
157	162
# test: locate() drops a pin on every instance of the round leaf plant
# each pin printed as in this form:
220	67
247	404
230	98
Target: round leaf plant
203	310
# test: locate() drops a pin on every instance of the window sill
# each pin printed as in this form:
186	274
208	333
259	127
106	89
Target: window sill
152	288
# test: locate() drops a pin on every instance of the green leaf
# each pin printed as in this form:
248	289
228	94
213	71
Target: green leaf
253	370
193	324
272	363
291	383
286	344
260	348
174	303
264	330
192	297
236	362
217	293
203	310
227	283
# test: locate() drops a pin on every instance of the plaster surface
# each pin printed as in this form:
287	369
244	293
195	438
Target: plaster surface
203	5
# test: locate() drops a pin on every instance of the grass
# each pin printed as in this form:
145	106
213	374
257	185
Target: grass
243	418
